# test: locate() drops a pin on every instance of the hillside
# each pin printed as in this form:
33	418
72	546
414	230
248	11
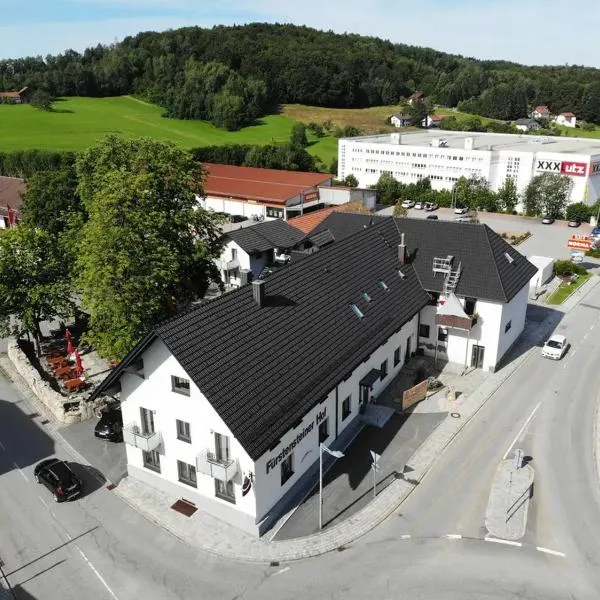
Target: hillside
231	75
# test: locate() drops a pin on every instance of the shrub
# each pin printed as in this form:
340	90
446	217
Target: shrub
564	268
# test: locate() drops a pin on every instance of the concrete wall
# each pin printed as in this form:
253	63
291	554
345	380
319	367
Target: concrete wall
514	313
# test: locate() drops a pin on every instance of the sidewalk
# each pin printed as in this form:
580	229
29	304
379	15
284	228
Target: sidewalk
214	536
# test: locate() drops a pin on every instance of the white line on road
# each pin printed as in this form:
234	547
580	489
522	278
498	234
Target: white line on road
501	541
548	551
452	536
19	469
2	446
42	501
281	571
522	429
91	566
585	336
405	536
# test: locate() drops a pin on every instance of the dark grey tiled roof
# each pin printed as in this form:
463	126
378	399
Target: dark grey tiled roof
323	238
266	236
262	369
486	273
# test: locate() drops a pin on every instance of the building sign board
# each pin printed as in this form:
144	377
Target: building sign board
564	167
275	460
594	169
414	394
580	242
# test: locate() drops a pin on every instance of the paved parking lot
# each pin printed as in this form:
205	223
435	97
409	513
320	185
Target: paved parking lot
108	457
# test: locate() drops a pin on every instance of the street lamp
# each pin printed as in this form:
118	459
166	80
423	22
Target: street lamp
335	454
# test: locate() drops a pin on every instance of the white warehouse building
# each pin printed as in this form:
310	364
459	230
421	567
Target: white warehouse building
445	156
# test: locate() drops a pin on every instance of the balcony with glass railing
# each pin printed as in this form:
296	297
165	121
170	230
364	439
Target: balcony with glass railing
147	441
222	469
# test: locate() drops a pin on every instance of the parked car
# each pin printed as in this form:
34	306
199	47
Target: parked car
419	206
58	477
110	425
547	220
431	206
555	347
432	217
574	222
461	210
407	204
595	233
464	218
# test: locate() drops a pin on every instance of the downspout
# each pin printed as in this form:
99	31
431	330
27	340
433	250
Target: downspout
336	410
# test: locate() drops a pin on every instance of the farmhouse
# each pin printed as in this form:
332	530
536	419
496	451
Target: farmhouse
225	405
432	121
541	112
527	124
568	119
15	97
401	120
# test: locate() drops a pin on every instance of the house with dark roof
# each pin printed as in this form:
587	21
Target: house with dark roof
527	124
226	404
401	120
251	252
416	97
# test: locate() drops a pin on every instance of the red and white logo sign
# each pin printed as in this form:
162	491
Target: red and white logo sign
573	168
580	242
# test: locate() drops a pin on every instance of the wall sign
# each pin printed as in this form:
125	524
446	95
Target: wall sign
564	167
594	169
275	460
548	166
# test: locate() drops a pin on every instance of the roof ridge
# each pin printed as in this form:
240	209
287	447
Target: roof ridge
488	230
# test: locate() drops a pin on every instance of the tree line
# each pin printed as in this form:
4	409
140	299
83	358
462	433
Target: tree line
230	75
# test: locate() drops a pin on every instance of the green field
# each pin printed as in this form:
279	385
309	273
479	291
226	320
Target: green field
77	123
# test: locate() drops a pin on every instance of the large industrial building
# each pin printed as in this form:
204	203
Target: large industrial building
445	156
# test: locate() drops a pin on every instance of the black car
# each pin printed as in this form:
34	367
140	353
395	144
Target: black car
57	476
574	222
110	426
432	217
547	220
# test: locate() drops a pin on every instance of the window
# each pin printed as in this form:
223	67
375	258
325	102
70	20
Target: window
442	335
507	327
383	369
180	385
233	254
183	431
424	331
470	305
224	490
151	460
187	473
274	213
397	353
346	408
323	430
287	468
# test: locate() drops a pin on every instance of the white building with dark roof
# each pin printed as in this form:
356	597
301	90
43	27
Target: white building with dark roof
225	405
445	156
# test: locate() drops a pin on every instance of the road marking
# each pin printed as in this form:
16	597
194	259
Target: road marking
281	571
19	469
585	336
501	541
42	501
405	536
91	566
452	536
522	429
548	551
2	446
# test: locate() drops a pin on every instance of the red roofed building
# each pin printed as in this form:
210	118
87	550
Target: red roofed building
541	112
262	193
568	119
15	97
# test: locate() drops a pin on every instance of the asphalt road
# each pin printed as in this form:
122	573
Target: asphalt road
433	547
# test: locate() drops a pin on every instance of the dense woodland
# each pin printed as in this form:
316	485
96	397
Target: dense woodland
231	75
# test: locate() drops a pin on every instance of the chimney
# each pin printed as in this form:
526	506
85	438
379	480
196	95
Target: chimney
402	250
258	292
245	276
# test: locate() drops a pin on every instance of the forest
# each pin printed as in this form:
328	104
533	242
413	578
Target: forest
232	75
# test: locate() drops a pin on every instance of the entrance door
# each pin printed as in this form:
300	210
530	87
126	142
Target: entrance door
477	356
221	447
364	394
147	419
407	353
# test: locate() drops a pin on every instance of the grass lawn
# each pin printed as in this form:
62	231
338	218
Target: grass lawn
565	290
77	123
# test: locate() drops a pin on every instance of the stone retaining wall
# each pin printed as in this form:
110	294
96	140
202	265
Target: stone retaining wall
65	409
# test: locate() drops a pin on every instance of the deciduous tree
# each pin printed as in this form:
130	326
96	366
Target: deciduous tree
508	196
547	194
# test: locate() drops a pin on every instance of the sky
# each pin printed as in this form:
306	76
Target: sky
539	32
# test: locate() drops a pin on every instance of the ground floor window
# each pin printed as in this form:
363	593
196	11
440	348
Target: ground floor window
346	409
287	468
224	490
151	460
187	473
424	331
383	369
397	353
323	430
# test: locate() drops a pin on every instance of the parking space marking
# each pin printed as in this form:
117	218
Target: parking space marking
22	474
453	536
281	571
501	541
42	501
91	566
549	551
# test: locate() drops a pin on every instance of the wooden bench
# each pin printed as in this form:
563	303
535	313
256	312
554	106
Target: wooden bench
74	385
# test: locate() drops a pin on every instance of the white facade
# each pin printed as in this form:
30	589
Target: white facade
445	156
150	389
566	119
244	208
496	328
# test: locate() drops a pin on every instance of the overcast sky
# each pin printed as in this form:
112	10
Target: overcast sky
525	31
